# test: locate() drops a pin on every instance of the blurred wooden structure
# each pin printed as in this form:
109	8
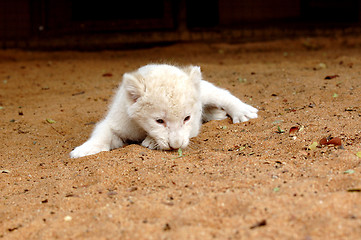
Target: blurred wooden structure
94	24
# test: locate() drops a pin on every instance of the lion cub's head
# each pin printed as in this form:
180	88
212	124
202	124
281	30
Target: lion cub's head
164	100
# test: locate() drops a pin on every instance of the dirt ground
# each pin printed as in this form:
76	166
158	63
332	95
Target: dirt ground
252	180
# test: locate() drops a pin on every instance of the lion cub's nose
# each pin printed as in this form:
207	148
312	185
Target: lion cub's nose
175	144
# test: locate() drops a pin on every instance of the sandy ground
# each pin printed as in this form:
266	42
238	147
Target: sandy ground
251	180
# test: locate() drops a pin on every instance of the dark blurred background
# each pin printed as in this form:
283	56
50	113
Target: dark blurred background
102	24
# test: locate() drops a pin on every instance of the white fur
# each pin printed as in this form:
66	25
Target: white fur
161	106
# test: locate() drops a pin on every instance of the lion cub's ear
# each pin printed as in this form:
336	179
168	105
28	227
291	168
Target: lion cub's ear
134	85
194	73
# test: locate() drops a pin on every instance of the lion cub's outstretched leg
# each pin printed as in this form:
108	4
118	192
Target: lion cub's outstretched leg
218	102
102	139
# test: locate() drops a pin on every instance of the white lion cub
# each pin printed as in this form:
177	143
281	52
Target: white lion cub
162	106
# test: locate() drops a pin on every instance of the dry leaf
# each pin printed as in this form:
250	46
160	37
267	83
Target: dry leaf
313	146
331	141
259	224
294	130
323	141
331	77
354	190
107	75
335	141
51	121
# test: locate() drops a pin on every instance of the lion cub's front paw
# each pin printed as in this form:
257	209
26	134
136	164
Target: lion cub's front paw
88	148
243	113
150	143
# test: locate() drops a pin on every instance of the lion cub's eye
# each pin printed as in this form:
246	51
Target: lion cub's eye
160	121
187	118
